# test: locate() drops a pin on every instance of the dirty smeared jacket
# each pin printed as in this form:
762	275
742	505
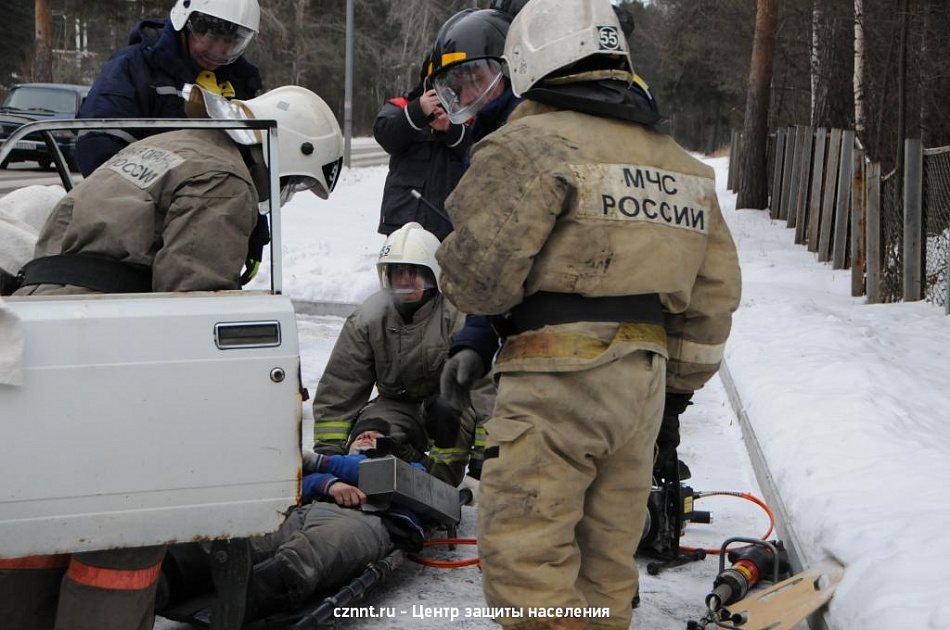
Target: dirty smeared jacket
182	203
564	202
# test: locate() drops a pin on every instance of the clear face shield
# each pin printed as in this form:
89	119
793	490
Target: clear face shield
215	42
407	282
466	87
292	184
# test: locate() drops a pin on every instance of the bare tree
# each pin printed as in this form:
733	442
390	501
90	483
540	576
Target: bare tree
901	93
300	49
860	123
819	89
43	60
831	59
753	154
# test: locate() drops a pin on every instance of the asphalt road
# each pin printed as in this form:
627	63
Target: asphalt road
363	152
22	174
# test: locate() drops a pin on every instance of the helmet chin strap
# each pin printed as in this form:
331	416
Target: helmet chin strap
591	75
254	160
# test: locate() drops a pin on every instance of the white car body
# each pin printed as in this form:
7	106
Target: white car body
142	419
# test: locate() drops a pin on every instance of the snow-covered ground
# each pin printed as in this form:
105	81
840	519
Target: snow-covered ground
330	250
849	403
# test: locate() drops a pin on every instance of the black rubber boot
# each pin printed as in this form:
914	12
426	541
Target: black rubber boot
268	590
230	570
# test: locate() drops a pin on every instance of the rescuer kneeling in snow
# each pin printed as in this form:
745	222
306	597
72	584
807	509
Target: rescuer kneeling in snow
603	241
172	212
397	341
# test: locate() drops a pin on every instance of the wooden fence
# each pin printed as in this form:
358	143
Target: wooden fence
822	186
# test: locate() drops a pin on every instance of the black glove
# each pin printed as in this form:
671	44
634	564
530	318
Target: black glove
668	439
255	249
441	421
460	372
475	468
675	405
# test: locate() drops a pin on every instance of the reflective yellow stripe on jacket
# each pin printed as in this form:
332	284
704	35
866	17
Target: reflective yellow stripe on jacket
551	343
330	431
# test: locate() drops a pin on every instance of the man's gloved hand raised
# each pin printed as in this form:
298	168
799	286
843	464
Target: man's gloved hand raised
460	372
442	421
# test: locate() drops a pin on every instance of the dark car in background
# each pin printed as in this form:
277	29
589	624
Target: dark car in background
27	102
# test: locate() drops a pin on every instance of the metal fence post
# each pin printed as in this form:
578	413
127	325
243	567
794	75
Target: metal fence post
347	84
791	141
827	205
791	208
817	173
873	182
733	157
913	217
858	225
843	205
801	200
777	173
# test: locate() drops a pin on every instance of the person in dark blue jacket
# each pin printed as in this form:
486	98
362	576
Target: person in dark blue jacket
426	156
202	42
468	77
466	71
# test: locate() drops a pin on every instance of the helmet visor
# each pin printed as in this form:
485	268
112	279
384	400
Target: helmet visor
466	87
292	184
216	42
407	282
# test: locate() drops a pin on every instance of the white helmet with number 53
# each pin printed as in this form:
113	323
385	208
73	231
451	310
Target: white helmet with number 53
552	37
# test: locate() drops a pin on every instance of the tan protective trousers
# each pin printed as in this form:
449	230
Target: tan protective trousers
562	507
95	590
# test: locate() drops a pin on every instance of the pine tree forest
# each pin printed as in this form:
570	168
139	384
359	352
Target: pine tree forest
696	55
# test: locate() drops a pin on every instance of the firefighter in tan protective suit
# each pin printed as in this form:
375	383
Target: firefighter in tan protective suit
397	341
604	243
172	212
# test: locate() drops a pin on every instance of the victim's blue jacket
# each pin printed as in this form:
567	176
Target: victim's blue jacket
144	80
403	524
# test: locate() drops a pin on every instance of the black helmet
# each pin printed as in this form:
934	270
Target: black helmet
467	70
468	35
511	7
626	20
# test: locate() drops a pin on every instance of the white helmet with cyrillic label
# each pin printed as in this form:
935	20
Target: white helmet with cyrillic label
559	38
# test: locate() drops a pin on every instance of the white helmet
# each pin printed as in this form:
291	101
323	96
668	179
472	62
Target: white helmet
311	145
550	35
411	244
235	21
